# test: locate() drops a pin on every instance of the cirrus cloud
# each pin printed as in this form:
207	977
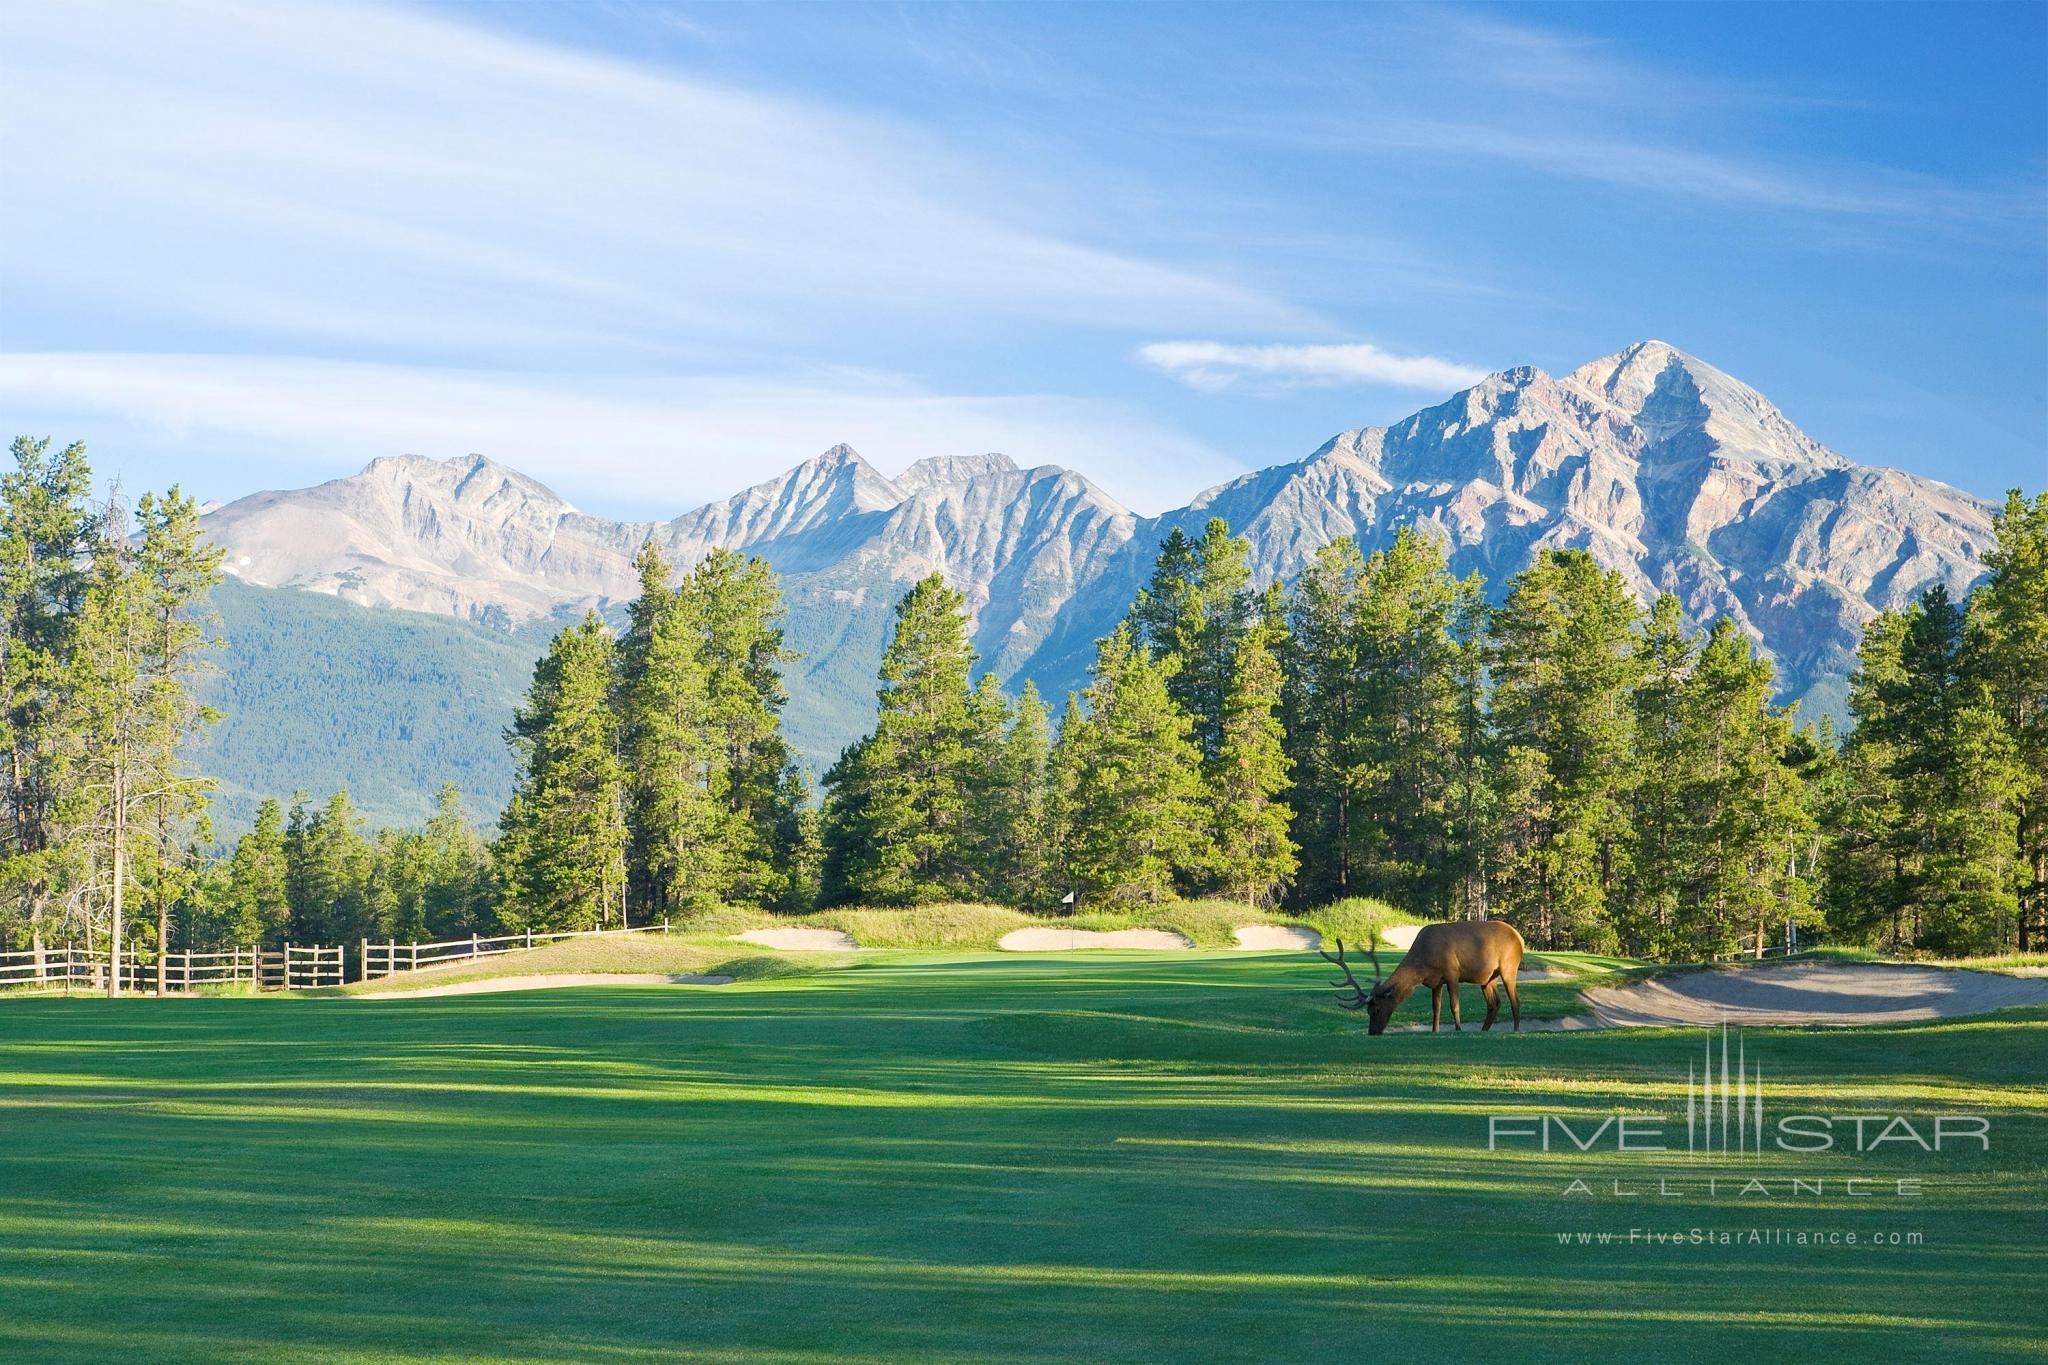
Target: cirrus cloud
1216	365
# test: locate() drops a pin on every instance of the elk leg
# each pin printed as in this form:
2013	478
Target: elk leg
1492	994
1436	1007
1514	999
1457	1019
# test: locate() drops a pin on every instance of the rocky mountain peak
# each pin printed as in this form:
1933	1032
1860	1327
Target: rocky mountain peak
940	471
1668	470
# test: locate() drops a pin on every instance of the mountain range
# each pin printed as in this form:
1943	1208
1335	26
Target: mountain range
1666	469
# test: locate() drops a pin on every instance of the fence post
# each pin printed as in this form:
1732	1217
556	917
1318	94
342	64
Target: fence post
529	936
366	961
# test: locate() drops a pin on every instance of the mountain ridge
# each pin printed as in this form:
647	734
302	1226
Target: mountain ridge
1665	468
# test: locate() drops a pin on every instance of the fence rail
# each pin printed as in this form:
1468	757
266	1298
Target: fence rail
384	959
295	966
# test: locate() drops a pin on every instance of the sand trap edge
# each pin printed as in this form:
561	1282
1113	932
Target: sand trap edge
797	939
494	985
1276	938
1071	940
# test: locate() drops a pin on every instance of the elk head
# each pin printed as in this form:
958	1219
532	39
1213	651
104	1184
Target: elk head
1378	1003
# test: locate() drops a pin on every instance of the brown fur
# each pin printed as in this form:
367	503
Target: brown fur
1484	953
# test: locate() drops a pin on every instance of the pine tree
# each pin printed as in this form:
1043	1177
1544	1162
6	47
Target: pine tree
1196	608
46	532
455	865
1663	834
989	847
683	833
251	906
331	875
1409	722
1867	857
1019	816
1065	761
1138	824
2008	652
896	827
1322	704
1564	668
739	607
1743	803
562	847
176	569
1959	783
106	691
799	845
1255	851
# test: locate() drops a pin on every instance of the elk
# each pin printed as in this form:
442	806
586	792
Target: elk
1487	953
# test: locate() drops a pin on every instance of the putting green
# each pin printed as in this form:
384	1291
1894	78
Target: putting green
986	1157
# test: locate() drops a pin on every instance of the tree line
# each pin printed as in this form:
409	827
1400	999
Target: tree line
1567	758
1562	757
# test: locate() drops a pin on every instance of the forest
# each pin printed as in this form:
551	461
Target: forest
1557	755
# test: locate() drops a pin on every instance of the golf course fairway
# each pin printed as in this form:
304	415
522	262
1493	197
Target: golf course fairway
986	1157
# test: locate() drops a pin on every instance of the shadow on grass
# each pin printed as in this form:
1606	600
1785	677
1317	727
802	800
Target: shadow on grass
1010	1159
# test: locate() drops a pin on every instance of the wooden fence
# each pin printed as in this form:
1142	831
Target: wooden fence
383	959
295	966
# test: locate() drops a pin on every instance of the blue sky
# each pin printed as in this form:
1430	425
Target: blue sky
650	253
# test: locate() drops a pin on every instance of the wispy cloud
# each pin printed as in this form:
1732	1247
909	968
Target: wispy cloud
1216	365
641	447
322	174
1674	169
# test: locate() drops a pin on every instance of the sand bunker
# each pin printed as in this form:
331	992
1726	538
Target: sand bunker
1067	940
1277	938
795	940
493	985
1837	993
1402	936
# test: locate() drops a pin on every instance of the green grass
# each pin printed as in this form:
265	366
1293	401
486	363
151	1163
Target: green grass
1207	923
624	953
960	1157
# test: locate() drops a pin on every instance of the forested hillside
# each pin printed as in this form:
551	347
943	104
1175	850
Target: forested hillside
320	695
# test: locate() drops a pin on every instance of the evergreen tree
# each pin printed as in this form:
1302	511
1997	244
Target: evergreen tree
176	569
1743	804
1409	717
1196	608
897	829
562	846
1959	783
2008	653
739	607
331	875
1064	763
1021	833
251	905
1323	704
106	692
1138	823
455	866
990	838
685	823
1663	835
799	846
1255	851
1564	668
46	530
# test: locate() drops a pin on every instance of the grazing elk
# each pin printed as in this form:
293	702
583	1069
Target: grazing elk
1486	953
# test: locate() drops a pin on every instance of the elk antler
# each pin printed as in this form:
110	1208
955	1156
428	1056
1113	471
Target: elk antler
1358	992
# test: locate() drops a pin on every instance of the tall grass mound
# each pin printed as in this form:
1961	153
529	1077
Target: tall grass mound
622	954
968	926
